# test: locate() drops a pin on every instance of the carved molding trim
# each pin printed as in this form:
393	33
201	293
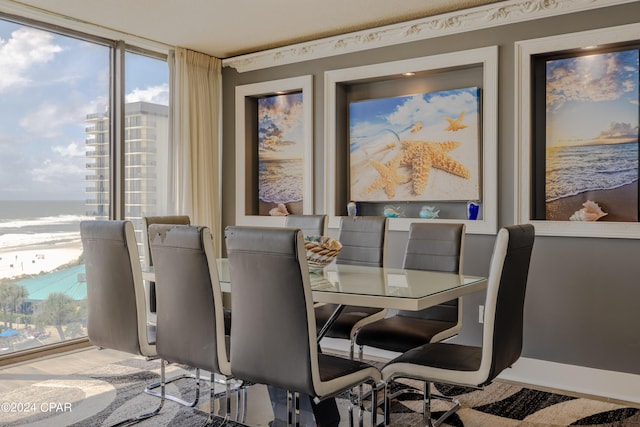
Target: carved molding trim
481	17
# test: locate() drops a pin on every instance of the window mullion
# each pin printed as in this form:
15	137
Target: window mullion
117	128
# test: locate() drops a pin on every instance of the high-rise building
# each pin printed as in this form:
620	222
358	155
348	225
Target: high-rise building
146	152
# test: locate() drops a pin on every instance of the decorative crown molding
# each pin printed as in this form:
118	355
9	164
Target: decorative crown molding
477	18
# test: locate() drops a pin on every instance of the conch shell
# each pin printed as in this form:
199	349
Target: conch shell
279	210
590	212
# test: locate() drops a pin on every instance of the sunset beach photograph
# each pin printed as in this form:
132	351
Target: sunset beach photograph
592	137
281	154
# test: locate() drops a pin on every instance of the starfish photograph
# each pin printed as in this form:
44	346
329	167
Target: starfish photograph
421	156
400	150
455	124
389	176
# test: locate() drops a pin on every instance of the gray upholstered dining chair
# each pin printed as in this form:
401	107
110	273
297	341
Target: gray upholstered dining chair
364	240
116	307
190	319
471	366
434	247
167	220
273	331
163	219
148	258
311	225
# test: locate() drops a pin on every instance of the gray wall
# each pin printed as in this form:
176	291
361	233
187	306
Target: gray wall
583	294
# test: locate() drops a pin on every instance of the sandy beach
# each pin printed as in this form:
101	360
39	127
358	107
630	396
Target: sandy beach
33	260
620	204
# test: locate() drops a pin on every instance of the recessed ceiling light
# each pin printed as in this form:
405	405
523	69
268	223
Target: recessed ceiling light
409	74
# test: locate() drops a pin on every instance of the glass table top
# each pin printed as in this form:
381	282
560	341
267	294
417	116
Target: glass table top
382	287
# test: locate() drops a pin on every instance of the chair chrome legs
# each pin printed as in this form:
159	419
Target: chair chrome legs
374	405
428	421
150	389
241	400
240	389
352	344
212	400
292	408
360	397
426	405
147	415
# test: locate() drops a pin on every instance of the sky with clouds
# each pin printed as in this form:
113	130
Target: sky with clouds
281	127
398	114
48	85
592	99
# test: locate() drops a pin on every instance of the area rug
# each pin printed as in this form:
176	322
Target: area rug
112	393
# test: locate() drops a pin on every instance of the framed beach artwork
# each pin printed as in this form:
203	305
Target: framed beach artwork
422	147
415	140
274	151
281	147
590	135
580	119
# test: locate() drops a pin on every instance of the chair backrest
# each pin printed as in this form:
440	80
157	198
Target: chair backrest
364	240
436	247
116	308
167	219
190	319
148	258
311	225
273	328
504	305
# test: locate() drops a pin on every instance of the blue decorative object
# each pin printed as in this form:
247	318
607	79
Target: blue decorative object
428	212
473	209
391	212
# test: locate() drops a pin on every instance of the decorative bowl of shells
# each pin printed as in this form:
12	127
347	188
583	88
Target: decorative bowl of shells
321	250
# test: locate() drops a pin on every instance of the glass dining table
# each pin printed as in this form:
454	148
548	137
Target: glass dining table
380	287
392	288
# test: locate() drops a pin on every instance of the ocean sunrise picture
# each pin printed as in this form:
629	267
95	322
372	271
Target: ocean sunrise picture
281	154
591	132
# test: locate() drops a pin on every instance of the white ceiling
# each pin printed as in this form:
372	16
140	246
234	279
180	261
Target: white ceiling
226	28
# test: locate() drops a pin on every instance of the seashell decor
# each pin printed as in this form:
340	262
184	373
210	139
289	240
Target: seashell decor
590	212
279	210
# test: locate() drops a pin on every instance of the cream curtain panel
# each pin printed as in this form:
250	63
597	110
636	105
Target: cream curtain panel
195	130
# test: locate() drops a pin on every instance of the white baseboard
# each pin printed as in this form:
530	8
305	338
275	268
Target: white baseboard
612	386
609	385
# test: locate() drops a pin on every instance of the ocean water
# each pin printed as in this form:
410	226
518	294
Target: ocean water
576	169
29	223
281	181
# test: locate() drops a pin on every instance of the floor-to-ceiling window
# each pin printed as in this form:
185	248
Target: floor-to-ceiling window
56	169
